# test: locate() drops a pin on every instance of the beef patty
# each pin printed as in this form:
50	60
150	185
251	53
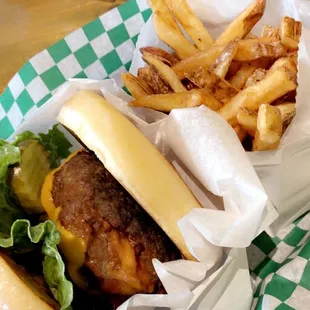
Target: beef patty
121	237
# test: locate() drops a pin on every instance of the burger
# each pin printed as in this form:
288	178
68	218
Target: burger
115	204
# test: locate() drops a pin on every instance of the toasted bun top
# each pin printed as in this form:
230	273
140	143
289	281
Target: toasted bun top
132	160
18	290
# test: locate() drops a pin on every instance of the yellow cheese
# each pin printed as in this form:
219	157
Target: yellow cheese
132	160
72	246
18	290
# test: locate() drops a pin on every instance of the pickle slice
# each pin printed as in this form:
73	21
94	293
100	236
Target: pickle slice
27	179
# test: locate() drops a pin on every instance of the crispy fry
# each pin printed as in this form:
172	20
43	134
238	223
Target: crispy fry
243	23
271	32
150	77
233	69
251	36
134	86
257	76
293	55
290	32
288	111
161	6
271	87
284	62
257	48
165	72
248	120
169	34
217	86
160	54
223	61
167	102
246	70
241	132
191	24
202	59
269	128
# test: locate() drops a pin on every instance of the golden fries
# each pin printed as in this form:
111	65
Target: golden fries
249	80
169	34
270	88
217	86
223	61
202	59
290	32
248	120
258	48
241	132
284	62
186	99
160	54
243	23
148	76
165	72
269	128
287	110
191	24
257	76
251	36
134	86
161	6
271	32
246	70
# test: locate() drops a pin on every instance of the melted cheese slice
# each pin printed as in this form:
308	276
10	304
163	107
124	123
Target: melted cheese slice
132	160
72	246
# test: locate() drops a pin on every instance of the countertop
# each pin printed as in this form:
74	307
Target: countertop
28	26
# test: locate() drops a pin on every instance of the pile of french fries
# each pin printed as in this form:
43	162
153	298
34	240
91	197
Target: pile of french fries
249	80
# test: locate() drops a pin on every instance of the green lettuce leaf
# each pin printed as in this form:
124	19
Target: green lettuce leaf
53	266
26	135
56	144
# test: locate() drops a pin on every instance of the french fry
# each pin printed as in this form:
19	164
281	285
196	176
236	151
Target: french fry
201	59
241	132
251	36
169	34
165	72
248	120
271	32
160	54
187	99
191	24
257	76
223	61
249	50
284	62
161	6
290	32
243	23
217	86
150	77
246	70
269	128
288	111
270	88
134	86
233	69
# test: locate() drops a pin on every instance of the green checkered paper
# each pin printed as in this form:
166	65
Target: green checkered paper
279	266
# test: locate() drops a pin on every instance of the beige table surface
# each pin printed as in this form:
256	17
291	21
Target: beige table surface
28	26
